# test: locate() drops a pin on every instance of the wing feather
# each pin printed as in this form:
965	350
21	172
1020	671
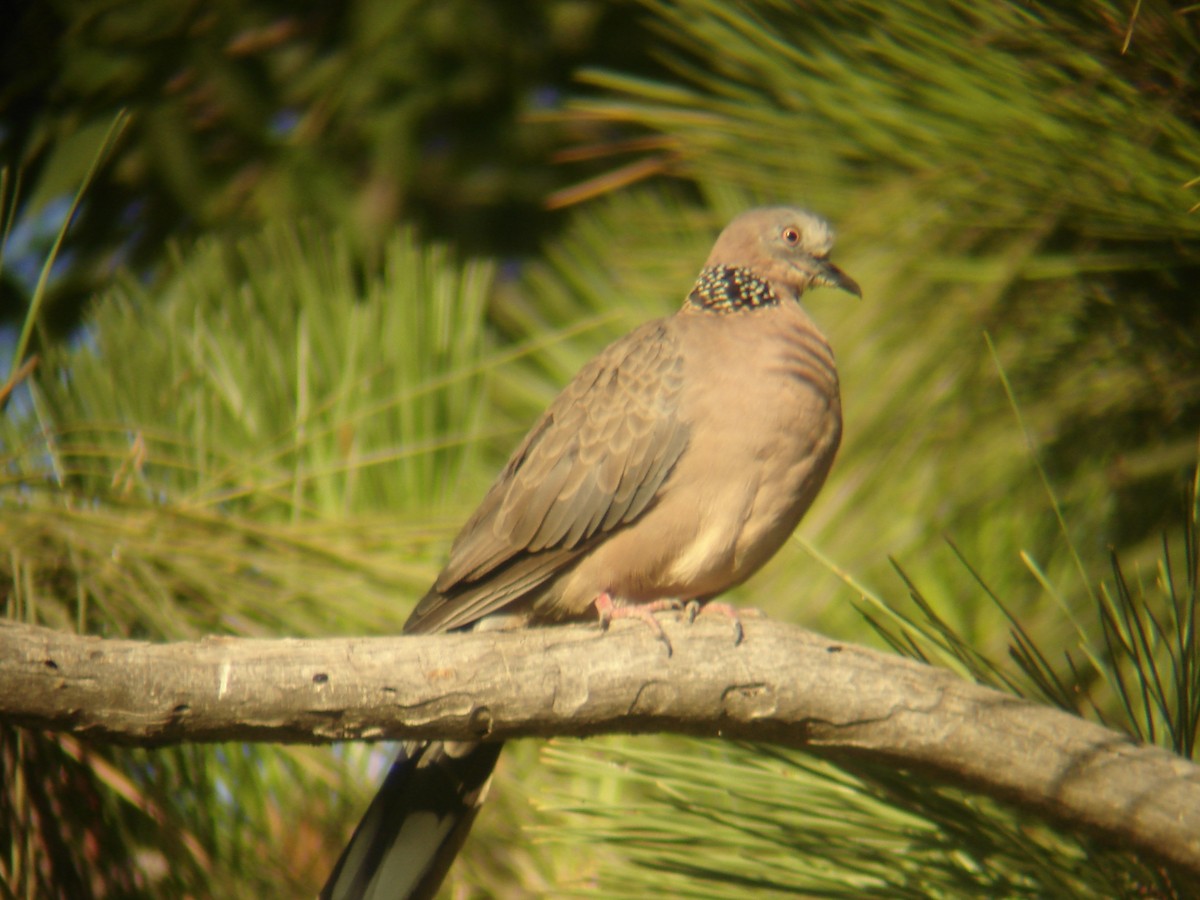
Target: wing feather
593	462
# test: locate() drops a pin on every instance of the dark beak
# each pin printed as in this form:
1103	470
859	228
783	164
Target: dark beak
826	273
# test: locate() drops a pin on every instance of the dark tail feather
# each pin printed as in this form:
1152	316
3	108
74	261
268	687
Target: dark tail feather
416	824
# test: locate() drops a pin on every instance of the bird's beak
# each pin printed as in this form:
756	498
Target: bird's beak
826	273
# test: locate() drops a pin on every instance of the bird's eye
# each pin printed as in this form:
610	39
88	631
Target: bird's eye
790	236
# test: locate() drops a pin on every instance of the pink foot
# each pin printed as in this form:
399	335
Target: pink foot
731	612
641	611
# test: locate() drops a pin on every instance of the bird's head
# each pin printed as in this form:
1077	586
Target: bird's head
765	251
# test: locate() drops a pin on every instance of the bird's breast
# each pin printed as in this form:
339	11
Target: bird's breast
763	417
764	431
777	408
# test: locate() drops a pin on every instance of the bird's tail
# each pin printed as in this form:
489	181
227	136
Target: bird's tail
416	824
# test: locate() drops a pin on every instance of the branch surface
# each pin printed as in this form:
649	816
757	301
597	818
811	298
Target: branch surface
782	685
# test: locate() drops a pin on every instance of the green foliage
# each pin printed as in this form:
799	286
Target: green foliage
281	385
217	455
358	114
268	384
708	821
278	433
1010	111
1135	663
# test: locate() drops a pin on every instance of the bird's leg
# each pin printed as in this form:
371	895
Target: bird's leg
642	611
731	612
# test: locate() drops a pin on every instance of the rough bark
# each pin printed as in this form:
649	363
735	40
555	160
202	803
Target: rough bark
781	684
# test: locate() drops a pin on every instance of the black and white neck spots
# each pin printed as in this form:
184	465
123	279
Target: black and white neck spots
727	289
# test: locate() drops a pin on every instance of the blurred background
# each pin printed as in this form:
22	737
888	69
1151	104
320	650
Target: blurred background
282	284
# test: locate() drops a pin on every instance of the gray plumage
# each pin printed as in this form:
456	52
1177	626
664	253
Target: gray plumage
674	465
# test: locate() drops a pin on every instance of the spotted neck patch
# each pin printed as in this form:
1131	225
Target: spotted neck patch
726	289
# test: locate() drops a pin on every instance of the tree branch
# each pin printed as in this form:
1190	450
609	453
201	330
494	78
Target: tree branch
781	684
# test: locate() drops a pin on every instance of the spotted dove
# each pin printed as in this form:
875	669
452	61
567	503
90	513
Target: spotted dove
672	467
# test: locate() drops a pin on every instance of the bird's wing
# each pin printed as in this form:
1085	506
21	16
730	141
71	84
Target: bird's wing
593	462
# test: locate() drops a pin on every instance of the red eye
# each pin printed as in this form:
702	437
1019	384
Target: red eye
790	236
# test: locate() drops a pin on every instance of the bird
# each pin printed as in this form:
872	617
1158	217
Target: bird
669	470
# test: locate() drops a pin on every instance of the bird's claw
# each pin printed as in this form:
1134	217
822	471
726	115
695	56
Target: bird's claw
731	612
608	610
643	612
